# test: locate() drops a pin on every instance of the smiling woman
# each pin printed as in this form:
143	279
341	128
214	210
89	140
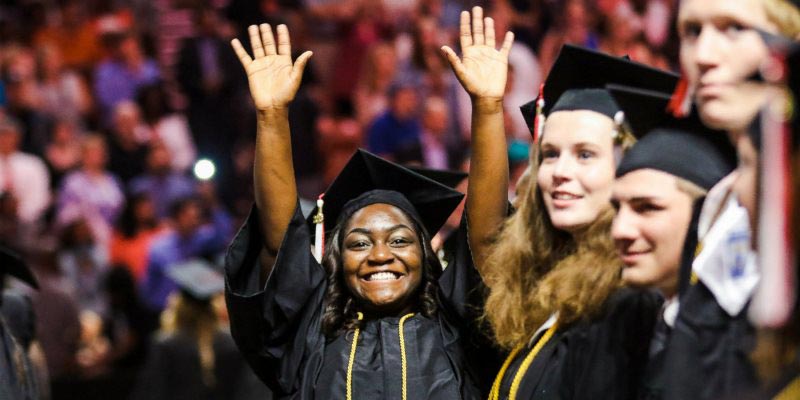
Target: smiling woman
371	317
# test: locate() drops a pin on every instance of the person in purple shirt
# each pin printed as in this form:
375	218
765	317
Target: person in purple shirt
190	238
395	134
160	182
120	76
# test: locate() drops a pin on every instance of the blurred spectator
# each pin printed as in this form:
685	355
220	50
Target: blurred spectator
127	151
370	96
25	100
190	237
160	182
57	320
63	153
74	35
167	126
128	327
23	177
303	114
193	356
434	128
364	28
83	263
91	192
522	85
395	134
623	35
65	94
136	228
211	78
340	136
122	73
573	25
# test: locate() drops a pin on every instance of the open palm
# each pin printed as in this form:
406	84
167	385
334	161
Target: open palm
483	69
273	78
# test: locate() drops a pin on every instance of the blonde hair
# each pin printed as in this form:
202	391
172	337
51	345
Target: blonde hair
784	15
534	270
695	192
197	320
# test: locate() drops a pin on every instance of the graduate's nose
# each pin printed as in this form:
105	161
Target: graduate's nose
380	254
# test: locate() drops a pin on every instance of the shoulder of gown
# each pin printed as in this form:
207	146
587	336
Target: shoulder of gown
275	325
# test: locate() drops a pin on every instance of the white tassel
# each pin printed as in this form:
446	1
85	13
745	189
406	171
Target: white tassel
319	231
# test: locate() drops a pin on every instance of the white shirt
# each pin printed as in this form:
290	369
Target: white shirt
726	264
30	184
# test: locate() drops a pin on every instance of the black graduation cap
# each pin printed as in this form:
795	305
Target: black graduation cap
446	177
578	78
682	147
433	201
197	279
12	264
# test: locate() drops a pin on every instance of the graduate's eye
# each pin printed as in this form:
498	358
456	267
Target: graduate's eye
647	207
586	154
549	154
734	28
690	30
400	242
357	245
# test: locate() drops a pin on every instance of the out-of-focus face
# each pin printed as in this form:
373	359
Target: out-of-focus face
9	141
435	117
404	103
382	259
719	50
577	168
94	155
650	227
745	186
188	219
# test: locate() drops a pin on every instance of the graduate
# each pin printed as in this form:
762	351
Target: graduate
660	186
370	315
17	377
193	356
555	304
720	50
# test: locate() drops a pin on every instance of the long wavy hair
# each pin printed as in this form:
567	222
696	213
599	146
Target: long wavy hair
341	307
534	270
198	320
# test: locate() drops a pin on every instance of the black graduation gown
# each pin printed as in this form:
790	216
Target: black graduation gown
278	329
601	358
655	376
173	371
17	381
708	352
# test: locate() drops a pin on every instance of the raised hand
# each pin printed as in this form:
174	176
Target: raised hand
483	69
273	78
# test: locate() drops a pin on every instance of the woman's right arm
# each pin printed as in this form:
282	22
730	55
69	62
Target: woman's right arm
482	72
274	81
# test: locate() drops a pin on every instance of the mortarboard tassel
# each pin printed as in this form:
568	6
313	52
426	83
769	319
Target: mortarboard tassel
319	230
538	120
681	101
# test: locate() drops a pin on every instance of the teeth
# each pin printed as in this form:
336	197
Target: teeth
382	276
564	196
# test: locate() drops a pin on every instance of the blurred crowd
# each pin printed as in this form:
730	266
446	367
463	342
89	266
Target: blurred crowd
107	105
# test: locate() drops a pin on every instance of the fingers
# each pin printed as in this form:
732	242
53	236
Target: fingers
477	26
489	32
300	64
244	58
466	32
284	42
455	62
269	40
255	41
507	42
